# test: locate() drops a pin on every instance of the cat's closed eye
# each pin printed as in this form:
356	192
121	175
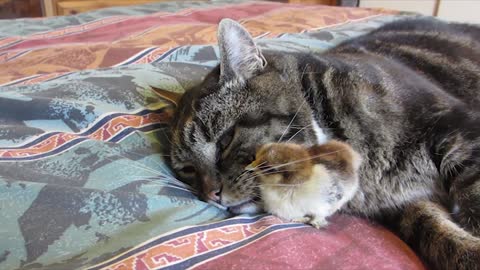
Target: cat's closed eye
187	171
226	139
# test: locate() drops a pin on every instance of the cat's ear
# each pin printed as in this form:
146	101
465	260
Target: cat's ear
168	96
239	56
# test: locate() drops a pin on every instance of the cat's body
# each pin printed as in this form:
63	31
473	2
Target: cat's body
412	95
405	97
306	184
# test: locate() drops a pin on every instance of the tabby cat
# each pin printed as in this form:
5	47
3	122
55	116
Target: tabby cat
405	96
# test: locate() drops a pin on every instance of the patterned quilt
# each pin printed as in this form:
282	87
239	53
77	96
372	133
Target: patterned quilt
84	182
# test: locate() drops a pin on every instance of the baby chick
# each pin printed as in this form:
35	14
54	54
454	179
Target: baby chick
306	184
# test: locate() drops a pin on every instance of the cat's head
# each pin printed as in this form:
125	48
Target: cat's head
251	99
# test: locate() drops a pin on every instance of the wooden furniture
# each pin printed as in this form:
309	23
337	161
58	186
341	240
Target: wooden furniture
319	2
427	7
20	8
67	7
456	10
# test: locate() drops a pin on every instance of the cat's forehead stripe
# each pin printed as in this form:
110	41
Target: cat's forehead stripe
205	132
209	151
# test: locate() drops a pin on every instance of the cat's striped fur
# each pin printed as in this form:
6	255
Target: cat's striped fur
406	97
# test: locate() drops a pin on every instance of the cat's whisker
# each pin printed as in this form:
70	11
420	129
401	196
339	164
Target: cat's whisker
153	160
167	136
270	171
280	185
276	185
165	181
162	169
169	178
248	171
134	152
303	71
142	166
239	177
146	177
291	121
258	166
305	159
242	174
300	127
162	182
264	173
296	133
141	155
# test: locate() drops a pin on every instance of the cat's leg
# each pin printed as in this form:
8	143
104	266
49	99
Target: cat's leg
446	240
429	229
456	153
460	168
466	197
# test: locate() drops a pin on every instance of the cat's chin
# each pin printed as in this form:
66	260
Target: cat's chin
249	207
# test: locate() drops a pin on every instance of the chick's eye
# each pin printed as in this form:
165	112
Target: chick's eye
227	139
268	168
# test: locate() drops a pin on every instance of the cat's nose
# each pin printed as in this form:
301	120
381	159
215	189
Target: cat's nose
214	195
211	189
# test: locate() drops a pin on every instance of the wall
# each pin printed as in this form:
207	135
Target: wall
455	10
460	10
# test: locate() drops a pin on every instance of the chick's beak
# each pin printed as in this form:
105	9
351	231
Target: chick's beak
252	166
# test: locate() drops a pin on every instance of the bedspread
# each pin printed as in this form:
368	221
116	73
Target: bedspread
84	181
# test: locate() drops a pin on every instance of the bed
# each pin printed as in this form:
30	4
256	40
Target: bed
84	182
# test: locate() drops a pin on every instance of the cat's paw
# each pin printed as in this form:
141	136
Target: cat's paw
318	222
305	219
315	221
